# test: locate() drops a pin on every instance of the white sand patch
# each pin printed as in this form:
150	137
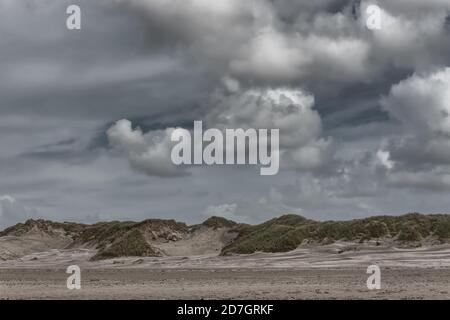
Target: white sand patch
203	241
302	258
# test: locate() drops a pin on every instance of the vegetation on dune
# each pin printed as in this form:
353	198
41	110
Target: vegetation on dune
288	232
161	226
103	234
443	230
218	222
111	239
118	239
115	239
131	244
20	229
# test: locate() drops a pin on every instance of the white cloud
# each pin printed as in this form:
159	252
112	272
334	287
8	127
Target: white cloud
275	56
253	41
384	159
409	41
270	55
148	153
248	39
421	148
289	110
421	105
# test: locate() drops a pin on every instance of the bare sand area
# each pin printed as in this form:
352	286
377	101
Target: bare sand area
347	283
337	271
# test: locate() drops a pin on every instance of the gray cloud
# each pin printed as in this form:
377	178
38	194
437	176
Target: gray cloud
12	211
365	133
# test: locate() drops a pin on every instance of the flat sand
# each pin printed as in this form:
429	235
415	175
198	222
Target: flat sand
226	284
329	272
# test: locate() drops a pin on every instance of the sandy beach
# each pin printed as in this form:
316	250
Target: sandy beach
306	273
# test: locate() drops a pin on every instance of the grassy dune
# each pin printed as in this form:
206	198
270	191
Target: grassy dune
289	231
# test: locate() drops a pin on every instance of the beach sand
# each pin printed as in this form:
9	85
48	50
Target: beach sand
326	272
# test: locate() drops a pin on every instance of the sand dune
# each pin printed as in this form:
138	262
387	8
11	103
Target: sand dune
189	263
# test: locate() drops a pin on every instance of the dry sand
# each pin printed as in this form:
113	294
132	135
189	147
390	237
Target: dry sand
305	273
347	283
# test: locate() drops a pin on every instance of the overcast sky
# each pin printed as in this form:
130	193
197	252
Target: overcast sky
364	115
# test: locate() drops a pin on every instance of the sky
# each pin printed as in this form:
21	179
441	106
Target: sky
86	115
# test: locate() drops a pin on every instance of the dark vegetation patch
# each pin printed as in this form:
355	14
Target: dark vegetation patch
288	232
218	222
131	244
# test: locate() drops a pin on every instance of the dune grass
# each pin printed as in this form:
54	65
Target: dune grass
288	232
